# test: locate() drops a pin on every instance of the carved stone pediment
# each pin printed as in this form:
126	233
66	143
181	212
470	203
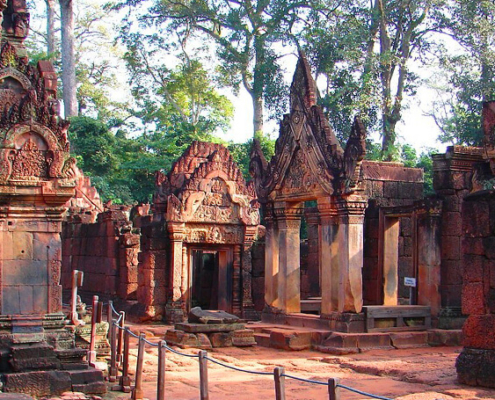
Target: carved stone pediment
205	185
307	142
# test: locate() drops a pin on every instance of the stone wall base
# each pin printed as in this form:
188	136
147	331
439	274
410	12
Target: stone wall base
476	367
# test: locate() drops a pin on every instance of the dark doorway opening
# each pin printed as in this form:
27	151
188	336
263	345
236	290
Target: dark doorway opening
211	279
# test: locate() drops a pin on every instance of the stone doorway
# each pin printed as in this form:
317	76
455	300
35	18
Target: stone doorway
211	278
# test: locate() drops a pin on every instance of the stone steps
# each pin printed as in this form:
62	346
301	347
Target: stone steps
296	338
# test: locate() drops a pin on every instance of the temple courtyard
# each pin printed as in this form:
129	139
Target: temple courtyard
425	373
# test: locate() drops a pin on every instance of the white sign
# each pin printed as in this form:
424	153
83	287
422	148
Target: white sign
410	281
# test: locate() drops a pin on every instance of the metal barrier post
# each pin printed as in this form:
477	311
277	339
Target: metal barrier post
121	337
160	388
92	345
125	380
137	393
203	375
278	374
112	373
333	389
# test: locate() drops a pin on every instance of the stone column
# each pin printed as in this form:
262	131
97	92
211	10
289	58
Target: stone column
184	286
236	279
289	274
342	255
390	245
248	311
429	257
174	308
314	266
271	258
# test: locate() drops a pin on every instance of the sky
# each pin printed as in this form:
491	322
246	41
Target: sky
415	129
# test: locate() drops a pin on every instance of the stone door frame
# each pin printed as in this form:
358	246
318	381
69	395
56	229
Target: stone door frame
225	293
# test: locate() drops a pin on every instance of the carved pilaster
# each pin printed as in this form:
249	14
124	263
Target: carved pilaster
175	304
236	278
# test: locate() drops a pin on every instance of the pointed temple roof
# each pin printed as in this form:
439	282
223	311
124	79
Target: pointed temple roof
308	157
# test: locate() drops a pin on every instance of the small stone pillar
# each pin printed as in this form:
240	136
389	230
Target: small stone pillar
271	258
342	258
429	256
289	275
248	311
314	267
175	307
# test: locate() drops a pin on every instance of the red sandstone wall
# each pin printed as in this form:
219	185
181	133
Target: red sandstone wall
106	251
388	185
258	281
476	364
452	181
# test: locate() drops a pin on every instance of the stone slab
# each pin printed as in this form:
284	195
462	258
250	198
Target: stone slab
407	340
207	328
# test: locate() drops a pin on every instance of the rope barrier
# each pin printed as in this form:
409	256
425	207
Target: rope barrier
114	310
116	323
237	368
305	380
363	393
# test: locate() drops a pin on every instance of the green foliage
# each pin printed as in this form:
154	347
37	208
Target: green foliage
241	152
467	73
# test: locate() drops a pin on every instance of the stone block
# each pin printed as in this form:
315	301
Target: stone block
341	340
390	190
473	299
406	340
181	339
473	246
243	338
452	203
288	339
24	272
478	332
451	273
476	367
489	247
204	341
38	384
451	246
451	295
373	341
473	268
221	339
475	219
452	223
445	337
22	245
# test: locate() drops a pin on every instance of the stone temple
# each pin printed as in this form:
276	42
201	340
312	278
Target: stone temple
37	179
320	237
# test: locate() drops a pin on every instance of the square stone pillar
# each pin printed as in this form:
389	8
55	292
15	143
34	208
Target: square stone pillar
429	257
271	258
288	277
342	255
175	307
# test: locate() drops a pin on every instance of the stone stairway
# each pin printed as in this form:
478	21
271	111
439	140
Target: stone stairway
288	337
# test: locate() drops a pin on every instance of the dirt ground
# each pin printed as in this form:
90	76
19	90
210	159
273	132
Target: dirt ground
409	374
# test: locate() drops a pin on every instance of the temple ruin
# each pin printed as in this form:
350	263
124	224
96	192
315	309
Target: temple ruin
37	179
365	212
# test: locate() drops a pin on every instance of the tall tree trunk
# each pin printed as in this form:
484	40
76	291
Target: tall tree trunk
68	58
50	26
258	84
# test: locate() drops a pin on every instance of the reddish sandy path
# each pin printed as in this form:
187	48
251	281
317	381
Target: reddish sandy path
422	374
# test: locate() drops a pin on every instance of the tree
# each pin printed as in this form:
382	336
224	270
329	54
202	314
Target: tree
364	51
468	72
50	27
247	35
68	58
